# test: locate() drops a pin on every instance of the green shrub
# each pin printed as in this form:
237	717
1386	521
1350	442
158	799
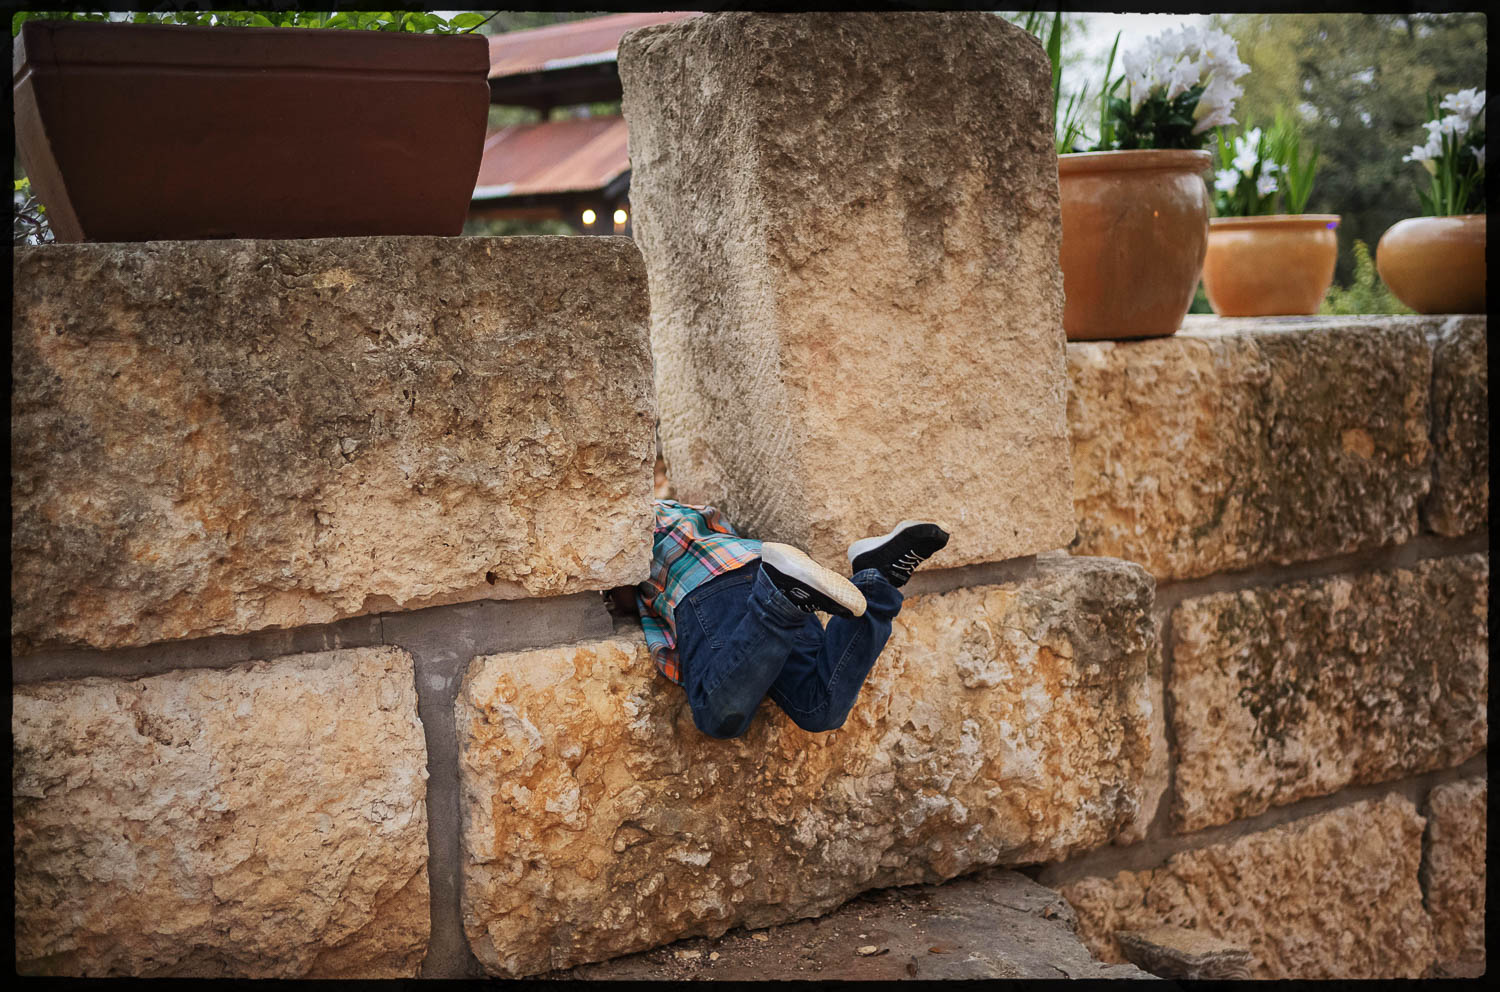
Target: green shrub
1366	294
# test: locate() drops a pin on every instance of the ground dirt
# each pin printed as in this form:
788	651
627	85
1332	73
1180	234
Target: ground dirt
993	924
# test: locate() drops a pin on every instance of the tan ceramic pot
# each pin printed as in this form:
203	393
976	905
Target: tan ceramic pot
1269	266
1435	264
1134	232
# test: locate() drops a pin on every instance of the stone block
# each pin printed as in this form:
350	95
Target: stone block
1238	443
1460	499
214	437
1298	690
263	821
1003	724
1453	875
1188	955
1329	896
850	225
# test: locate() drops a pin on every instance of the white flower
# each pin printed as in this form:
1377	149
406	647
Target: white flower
1181	77
1175	61
1247	151
1479	154
1215	104
1467	104
1452	124
1265	185
1225	180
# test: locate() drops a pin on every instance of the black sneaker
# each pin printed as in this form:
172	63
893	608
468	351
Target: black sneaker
895	554
809	585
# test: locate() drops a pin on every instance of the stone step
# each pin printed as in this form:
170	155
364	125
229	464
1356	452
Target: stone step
995	923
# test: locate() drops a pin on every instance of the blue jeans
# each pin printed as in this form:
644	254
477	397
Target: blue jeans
739	639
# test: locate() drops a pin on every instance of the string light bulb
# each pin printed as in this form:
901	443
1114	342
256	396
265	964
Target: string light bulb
589	217
620	216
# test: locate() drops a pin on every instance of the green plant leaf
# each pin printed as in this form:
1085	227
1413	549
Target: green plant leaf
469	19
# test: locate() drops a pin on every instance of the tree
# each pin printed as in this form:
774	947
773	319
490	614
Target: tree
1359	84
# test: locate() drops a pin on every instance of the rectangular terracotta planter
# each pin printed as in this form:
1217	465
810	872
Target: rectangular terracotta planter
137	132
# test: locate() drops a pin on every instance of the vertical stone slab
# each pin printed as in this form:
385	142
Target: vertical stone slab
1330	896
262	821
850	225
1460	499
1453	875
215	437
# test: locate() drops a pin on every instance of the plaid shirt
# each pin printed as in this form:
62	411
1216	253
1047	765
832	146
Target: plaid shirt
691	545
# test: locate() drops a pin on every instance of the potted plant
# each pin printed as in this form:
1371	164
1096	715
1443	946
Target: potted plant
1135	209
1435	263
1261	262
246	125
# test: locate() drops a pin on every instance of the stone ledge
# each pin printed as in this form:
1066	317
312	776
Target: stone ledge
1005	724
1238	443
216	437
1460	499
1330	896
1298	690
265	821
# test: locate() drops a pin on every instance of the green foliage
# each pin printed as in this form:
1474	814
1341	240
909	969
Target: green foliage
495	228
1356	86
1158	123
1296	175
1456	174
1277	156
1366	293
1067	126
409	21
1106	97
1244	199
28	224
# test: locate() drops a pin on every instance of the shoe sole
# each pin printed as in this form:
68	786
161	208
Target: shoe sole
871	543
795	564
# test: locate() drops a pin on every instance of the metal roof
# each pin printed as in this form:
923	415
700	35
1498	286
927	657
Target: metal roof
563	46
567	156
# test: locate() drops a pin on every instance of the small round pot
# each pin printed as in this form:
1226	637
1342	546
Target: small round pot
1269	266
1134	233
1435	264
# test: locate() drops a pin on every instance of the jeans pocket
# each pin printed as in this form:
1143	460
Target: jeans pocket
719	604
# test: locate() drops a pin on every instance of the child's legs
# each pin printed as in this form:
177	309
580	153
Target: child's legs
733	636
822	677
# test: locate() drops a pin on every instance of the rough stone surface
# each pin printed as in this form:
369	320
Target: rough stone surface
994	924
264	821
1237	443
1289	691
850	225
1176	952
1453	875
1329	896
213	437
1460	499
1003	724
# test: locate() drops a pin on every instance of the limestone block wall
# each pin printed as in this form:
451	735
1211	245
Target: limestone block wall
242	474
1311	495
286	706
215	438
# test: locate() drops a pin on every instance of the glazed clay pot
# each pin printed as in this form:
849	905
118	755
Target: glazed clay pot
1134	232
1269	266
144	132
1435	264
